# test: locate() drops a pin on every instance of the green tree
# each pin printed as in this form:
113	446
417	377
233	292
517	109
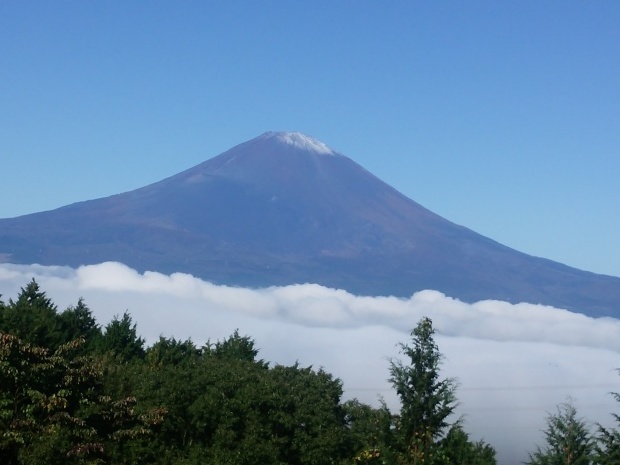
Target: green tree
53	409
169	351
33	318
216	398
457	449
308	418
568	440
370	431
226	406
121	338
234	347
608	445
79	322
426	400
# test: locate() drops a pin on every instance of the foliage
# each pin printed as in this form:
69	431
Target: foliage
309	419
426	400
235	347
121	338
457	449
568	440
608	447
172	352
32	318
370	431
79	322
52	408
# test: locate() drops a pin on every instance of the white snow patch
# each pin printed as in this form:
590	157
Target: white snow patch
302	141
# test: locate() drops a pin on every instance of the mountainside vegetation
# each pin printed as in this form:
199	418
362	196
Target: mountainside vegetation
75	392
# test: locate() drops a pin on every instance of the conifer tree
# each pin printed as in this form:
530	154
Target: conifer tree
568	440
33	318
121	338
608	447
426	400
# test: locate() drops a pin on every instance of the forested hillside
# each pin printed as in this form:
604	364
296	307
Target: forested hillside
73	391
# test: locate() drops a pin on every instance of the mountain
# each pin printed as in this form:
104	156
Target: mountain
285	208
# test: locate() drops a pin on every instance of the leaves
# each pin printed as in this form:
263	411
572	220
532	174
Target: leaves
568	440
608	446
426	400
121	338
54	403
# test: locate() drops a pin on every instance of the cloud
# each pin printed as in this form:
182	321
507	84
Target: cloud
513	362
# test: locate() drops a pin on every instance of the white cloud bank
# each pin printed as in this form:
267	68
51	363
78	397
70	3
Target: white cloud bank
514	362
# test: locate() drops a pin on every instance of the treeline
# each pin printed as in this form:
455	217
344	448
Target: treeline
74	392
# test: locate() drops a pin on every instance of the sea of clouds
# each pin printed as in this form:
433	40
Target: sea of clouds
514	363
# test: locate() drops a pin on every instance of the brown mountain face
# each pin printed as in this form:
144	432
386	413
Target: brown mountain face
284	208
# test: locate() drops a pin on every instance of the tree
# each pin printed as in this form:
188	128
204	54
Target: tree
568	440
169	351
370	432
53	409
121	338
235	347
457	449
33	318
79	322
608	447
426	400
303	413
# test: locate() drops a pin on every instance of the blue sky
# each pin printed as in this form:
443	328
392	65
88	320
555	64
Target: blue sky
500	116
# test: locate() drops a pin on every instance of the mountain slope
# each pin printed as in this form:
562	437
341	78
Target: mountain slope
284	208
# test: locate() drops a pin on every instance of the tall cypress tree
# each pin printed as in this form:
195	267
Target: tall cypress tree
426	400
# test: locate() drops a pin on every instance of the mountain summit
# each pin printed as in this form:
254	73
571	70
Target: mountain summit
300	141
285	208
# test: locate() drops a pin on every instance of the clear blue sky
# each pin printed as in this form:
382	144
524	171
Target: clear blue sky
500	116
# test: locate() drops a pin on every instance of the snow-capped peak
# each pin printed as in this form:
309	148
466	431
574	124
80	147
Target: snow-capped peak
302	141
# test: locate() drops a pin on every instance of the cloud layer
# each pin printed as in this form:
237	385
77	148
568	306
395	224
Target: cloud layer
513	362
